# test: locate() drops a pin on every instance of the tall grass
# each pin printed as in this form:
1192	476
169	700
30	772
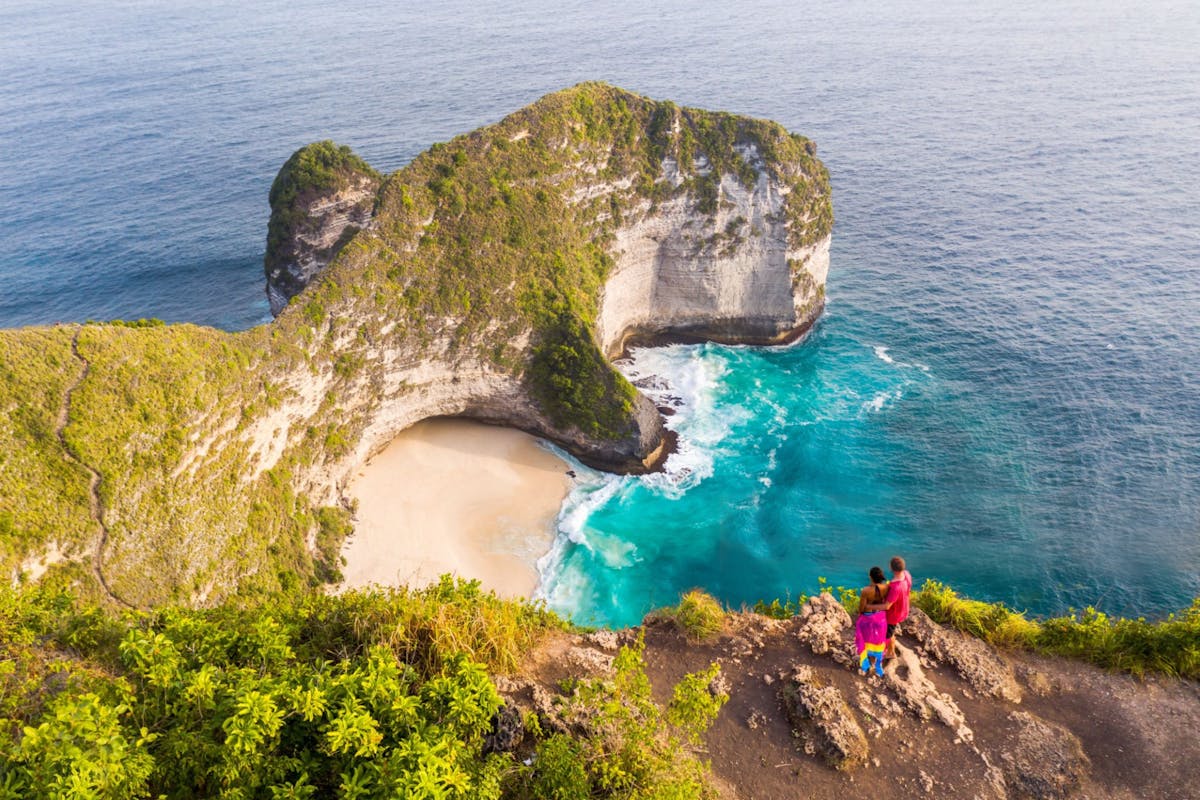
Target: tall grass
1169	647
698	616
423	626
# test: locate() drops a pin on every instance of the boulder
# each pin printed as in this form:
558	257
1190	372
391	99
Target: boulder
820	714
825	626
1041	760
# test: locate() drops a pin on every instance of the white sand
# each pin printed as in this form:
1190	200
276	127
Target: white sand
455	496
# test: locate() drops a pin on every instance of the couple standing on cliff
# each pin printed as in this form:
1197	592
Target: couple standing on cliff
882	606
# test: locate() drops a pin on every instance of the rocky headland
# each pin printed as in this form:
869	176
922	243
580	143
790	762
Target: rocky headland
492	278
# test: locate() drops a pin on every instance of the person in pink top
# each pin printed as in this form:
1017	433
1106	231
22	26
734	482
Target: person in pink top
896	603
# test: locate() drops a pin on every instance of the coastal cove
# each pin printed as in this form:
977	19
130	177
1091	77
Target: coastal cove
1002	387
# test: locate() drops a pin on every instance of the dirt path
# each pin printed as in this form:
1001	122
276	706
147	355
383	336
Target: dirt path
97	511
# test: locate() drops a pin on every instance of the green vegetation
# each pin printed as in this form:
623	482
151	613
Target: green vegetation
318	167
219	455
43	492
698	616
1170	646
633	749
368	695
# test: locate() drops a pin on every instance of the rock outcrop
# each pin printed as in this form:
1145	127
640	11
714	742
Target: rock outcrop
491	278
804	722
820	714
825	626
983	667
1041	760
320	199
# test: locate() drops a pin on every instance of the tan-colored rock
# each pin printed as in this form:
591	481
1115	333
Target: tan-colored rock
826	627
1041	760
733	278
823	718
980	665
908	680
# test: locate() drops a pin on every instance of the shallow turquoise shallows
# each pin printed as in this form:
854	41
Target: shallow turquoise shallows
1005	387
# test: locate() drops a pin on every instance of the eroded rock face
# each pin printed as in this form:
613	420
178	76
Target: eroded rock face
825	627
821	715
314	228
734	276
983	667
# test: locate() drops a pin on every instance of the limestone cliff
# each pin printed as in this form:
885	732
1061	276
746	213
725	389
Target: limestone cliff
490	278
320	199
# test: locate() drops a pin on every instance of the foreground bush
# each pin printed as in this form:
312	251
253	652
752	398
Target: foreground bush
377	694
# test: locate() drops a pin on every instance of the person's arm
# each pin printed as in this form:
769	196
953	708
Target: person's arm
883	606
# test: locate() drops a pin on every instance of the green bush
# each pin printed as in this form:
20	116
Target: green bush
367	695
698	616
1170	646
630	748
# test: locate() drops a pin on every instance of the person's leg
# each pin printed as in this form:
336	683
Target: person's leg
889	647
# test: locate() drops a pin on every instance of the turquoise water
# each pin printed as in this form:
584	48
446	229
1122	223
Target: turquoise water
1005	387
822	459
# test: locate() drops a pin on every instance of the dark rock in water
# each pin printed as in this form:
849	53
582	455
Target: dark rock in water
507	731
652	382
666	411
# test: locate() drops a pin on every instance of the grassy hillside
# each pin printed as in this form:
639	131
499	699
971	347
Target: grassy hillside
195	464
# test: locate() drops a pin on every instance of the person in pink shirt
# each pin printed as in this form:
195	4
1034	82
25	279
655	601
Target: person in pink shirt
896	603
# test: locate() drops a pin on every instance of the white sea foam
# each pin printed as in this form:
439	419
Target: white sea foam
684	378
687	379
881	353
881	399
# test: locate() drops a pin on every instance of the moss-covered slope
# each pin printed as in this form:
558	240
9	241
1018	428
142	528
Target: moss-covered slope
182	463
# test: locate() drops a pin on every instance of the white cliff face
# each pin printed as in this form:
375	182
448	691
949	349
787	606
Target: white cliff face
730	276
328	220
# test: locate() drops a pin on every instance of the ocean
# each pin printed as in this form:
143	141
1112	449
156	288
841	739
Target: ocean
1005	387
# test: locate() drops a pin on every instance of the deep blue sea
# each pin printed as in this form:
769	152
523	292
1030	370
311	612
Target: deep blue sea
1005	387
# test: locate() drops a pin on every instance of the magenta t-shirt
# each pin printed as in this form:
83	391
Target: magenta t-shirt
898	597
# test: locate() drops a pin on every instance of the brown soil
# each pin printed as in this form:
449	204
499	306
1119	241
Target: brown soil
1075	730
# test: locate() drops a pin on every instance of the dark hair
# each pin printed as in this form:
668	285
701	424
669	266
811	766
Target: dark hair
897	564
876	574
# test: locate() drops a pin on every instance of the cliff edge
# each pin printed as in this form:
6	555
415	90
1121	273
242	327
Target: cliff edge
491	278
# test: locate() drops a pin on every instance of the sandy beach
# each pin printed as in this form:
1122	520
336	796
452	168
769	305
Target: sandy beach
450	495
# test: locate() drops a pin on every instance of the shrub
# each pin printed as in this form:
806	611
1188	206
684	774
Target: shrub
631	749
1170	646
698	616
